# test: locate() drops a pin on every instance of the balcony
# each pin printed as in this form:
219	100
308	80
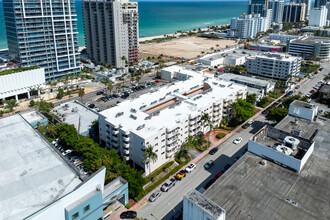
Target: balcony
126	152
171	147
115	144
170	153
115	131
126	138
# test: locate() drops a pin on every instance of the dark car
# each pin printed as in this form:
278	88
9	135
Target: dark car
209	183
226	167
209	164
213	151
99	93
104	99
128	214
91	105
218	175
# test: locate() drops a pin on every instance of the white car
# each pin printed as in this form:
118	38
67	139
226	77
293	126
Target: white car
190	168
238	140
67	152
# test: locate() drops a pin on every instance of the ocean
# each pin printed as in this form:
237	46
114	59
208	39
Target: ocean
158	18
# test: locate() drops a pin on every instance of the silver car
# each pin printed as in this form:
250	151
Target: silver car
155	195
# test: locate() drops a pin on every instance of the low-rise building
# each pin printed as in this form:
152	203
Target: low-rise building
274	66
310	46
165	118
77	114
38	182
266	47
18	81
325	92
283	37
321	30
284	175
34	118
254	86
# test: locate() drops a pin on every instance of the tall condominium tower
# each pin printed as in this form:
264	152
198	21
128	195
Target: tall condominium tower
319	3
318	17
294	12
277	10
111	31
43	33
257	6
308	5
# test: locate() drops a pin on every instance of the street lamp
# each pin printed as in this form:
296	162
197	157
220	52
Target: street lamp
172	208
154	216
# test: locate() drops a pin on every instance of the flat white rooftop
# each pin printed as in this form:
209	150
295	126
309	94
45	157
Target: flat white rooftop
70	112
131	114
275	56
32	116
32	174
245	79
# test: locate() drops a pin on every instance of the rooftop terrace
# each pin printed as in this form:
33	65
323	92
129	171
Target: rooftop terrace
17	70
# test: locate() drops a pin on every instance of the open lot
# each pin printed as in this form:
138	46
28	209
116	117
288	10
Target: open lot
188	48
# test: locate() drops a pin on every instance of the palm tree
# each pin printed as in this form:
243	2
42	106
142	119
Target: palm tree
150	155
123	58
110	86
206	122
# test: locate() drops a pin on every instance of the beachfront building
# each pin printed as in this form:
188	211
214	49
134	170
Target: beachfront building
247	26
277	10
43	35
257	6
308	5
308	46
294	12
18	82
166	117
274	66
38	182
318	17
112	31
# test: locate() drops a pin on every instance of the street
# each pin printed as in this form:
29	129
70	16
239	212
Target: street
171	202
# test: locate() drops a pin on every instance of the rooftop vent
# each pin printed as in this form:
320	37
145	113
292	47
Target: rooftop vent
284	149
133	117
310	105
133	110
140	127
291	142
297	132
119	114
75	109
148	117
143	106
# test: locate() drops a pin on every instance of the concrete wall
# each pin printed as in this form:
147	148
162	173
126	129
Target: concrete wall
261	150
301	112
21	82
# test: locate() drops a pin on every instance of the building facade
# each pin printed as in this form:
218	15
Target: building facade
277	10
282	37
43	34
112	31
247	26
294	12
274	66
310	46
318	17
319	3
308	5
21	81
257	6
164	119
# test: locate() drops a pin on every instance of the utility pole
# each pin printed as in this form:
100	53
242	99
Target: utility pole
79	125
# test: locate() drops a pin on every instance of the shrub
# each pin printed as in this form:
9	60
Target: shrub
221	135
128	206
32	103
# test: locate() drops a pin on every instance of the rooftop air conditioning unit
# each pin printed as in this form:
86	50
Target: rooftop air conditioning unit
291	142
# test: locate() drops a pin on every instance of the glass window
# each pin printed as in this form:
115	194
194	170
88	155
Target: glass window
75	216
87	208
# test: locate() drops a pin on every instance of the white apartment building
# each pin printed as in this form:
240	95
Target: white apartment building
311	45
318	17
111	31
274	66
247	26
21	81
165	118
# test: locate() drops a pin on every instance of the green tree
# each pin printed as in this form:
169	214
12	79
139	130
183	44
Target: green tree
286	102
60	93
81	94
52	130
110	87
150	155
276	114
44	106
242	110
206	122
264	101
251	98
68	135
11	104
32	103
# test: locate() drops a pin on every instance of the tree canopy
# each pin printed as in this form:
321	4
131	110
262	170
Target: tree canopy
242	110
276	114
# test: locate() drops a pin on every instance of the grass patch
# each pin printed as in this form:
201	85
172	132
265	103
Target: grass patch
17	70
158	171
128	206
160	181
221	135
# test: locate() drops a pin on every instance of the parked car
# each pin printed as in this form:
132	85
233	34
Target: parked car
190	168
180	175
68	151
226	167
209	164
99	93
248	124
238	140
155	195
218	175
209	183
168	185
128	214
308	95
321	111
213	151
91	105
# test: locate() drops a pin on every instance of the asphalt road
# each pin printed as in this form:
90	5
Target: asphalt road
170	202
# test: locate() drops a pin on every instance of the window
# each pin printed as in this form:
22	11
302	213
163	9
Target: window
75	216
86	208
163	152
156	138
